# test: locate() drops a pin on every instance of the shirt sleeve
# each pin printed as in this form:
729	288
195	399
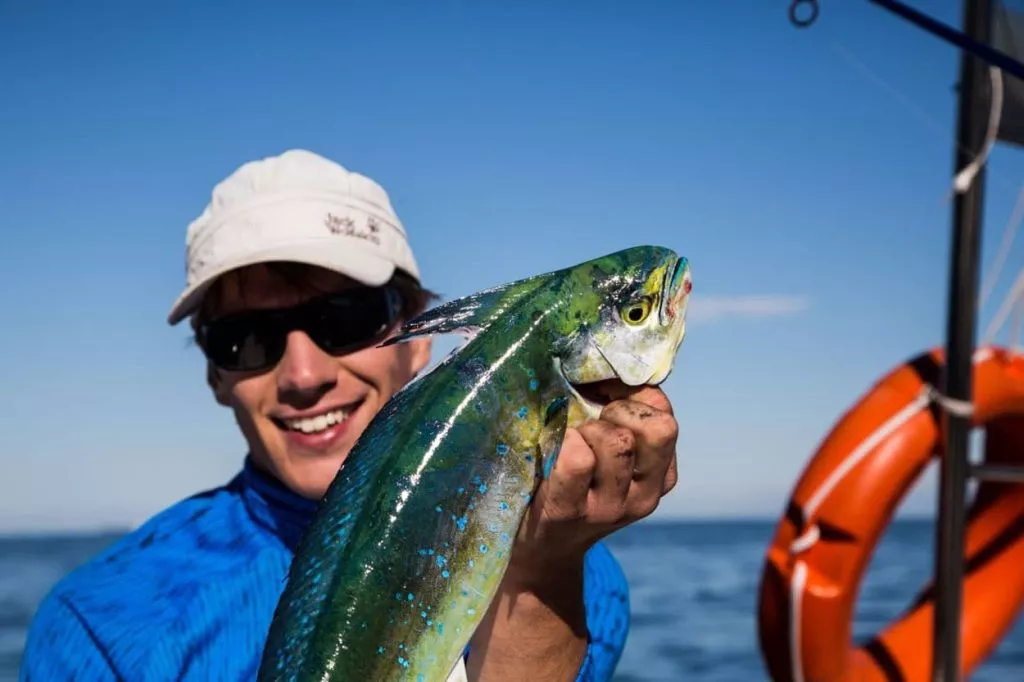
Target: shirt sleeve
606	597
61	646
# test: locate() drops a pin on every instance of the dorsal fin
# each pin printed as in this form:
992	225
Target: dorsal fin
469	314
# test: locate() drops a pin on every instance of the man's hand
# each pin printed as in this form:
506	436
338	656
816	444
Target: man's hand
610	472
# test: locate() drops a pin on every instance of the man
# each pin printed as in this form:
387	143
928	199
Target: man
297	269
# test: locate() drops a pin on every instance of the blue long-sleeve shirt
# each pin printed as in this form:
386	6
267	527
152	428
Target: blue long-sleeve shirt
190	594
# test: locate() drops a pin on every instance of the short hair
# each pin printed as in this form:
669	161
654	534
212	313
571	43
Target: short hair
415	298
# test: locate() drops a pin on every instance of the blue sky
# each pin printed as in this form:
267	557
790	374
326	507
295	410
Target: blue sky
810	168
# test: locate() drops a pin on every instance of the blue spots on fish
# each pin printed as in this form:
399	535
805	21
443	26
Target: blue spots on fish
438	509
501	449
440	561
483	548
534	384
461	522
482	488
503	506
445	574
523	411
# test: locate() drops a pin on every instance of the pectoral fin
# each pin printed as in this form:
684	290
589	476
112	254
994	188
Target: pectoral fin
552	434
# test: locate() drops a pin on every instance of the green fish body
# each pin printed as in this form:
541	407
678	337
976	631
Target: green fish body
412	539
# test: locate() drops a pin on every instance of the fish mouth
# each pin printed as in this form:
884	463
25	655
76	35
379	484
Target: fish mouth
594	396
667	285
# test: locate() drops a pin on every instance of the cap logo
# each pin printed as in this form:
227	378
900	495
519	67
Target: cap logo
343	225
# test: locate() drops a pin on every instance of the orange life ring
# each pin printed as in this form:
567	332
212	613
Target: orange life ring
843	503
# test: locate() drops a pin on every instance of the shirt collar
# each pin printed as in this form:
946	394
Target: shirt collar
281	511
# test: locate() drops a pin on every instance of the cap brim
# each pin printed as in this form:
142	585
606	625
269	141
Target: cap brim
341	256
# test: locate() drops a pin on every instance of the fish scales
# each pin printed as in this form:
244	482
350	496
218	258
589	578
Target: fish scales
474	490
412	539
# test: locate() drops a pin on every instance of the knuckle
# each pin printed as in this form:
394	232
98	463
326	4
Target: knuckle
662	429
578	461
622	440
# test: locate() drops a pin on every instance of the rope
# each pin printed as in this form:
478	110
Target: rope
1015	293
966	176
1009	233
1018	322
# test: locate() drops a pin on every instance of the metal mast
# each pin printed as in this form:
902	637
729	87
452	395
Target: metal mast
961	320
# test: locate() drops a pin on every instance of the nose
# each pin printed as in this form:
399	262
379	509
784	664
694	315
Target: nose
305	372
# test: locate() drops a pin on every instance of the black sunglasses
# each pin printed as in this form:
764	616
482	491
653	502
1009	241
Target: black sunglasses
339	323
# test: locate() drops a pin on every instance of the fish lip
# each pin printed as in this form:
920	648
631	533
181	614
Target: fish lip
593	409
666	288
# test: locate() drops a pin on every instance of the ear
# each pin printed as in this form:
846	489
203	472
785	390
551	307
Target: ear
419	353
217	385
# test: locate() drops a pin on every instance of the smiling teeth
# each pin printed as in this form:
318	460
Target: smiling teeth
318	423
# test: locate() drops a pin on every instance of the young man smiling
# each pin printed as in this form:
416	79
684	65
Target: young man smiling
296	270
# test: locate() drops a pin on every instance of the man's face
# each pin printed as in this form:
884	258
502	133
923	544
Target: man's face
302	416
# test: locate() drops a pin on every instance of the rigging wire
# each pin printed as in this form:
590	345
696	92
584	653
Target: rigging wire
1014	300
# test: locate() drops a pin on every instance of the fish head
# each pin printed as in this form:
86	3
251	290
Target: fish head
624	319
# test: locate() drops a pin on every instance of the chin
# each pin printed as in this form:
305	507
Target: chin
311	478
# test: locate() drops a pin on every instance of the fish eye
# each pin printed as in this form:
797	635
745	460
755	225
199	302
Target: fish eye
635	312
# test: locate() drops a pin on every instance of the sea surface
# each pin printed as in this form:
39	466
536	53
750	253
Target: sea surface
693	596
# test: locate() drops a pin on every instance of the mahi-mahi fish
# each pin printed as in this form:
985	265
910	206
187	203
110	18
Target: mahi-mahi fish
408	546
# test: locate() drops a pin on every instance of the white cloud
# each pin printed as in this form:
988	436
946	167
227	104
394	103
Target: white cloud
704	309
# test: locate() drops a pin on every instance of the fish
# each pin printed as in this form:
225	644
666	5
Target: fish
408	546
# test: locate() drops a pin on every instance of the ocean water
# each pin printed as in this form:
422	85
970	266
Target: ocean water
693	596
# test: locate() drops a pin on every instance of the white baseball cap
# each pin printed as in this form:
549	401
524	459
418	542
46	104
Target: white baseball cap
297	207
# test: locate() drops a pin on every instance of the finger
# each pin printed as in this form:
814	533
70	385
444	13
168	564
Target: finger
649	395
656	433
566	490
671	476
613	448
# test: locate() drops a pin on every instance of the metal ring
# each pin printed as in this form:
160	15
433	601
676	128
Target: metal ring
796	20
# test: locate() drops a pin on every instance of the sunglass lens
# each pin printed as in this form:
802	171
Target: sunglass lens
347	323
243	345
